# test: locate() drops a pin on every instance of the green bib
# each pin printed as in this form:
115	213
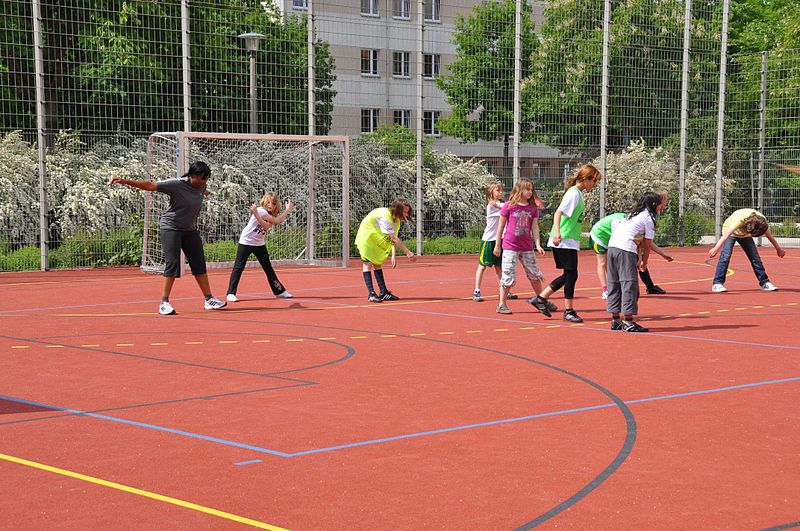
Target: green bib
570	226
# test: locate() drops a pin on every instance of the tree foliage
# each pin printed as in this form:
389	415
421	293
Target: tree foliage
116	65
482	76
563	94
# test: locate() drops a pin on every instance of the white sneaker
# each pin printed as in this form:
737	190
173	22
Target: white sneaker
166	308
769	286
214	304
285	295
604	295
232	297
718	288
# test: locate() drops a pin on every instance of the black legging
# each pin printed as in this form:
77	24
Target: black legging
567	281
243	252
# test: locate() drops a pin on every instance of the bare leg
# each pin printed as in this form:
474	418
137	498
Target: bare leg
167	287
202	281
479	277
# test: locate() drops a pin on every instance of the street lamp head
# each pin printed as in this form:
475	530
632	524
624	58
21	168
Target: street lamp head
252	41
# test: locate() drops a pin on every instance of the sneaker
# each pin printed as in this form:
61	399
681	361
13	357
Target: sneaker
389	296
718	288
214	304
166	308
232	297
502	308
540	304
512	296
769	286
285	295
656	290
633	327
476	295
374	298
616	324
550	306
604	295
572	317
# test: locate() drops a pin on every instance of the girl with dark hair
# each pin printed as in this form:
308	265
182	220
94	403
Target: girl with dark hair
179	230
377	240
623	263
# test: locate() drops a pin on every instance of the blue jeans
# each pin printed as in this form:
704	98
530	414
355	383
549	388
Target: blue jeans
750	249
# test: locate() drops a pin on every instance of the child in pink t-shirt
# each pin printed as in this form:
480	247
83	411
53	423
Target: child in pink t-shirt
519	230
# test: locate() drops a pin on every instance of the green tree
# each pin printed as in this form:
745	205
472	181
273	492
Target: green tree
115	66
480	83
563	95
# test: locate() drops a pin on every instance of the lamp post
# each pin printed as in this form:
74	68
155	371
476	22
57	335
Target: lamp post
251	43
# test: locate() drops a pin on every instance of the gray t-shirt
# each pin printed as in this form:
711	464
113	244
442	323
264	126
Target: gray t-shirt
185	202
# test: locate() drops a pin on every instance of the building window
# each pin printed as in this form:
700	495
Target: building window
300	4
432	10
402	9
369	62
402	117
431	65
369	120
369	8
429	119
401	64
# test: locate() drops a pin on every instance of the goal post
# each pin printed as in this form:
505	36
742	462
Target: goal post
311	171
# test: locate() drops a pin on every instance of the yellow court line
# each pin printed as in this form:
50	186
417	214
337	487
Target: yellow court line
144	493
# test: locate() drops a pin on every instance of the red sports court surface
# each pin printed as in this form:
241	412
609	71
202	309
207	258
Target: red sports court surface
328	412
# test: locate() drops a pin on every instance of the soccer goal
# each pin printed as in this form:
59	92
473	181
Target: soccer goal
311	171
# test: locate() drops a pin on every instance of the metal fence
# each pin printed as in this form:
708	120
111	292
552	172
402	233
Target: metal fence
439	97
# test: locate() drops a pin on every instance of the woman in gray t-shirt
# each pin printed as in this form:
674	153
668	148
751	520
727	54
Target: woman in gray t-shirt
179	230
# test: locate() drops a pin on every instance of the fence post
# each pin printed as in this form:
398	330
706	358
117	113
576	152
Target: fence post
312	125
723	64
187	67
44	225
762	133
420	115
517	82
687	43
604	106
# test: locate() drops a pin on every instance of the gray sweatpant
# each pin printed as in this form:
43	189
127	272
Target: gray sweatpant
623	282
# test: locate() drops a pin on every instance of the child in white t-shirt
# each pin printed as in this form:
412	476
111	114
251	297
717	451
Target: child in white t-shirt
624	264
251	241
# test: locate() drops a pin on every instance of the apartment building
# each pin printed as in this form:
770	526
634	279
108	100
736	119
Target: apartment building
374	43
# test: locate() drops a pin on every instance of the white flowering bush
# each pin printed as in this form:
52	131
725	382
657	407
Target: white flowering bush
453	189
19	195
638	169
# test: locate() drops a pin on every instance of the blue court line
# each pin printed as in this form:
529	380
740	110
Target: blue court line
151	426
405	436
252	461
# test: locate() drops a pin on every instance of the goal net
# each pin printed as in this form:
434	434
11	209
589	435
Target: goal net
311	171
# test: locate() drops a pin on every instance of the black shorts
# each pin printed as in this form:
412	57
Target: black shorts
565	258
173	241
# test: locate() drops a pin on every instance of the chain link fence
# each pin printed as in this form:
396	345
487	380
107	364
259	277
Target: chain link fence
632	87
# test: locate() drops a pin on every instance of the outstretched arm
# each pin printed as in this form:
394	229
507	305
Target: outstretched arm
149	186
661	252
645	247
397	242
714	250
775	244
